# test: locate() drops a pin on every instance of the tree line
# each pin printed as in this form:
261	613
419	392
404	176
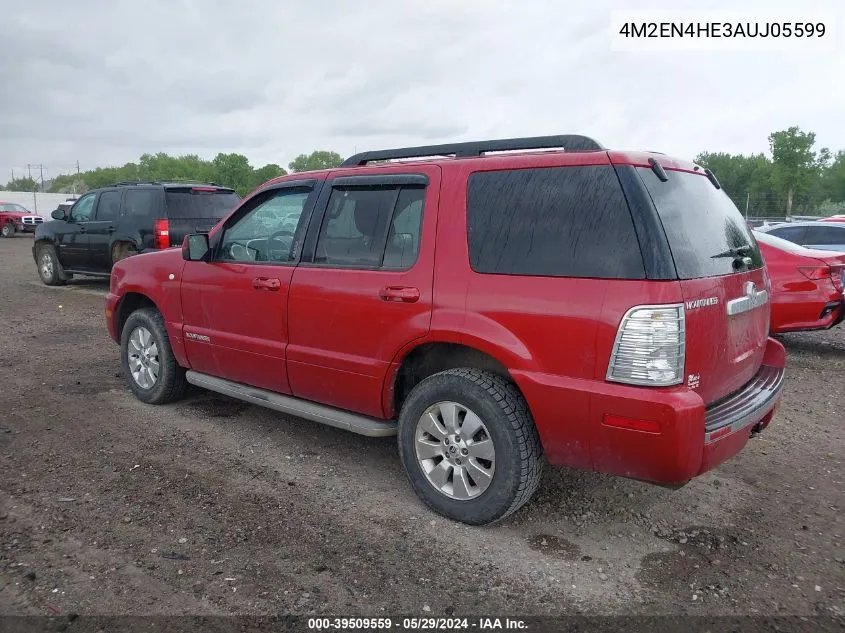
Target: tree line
229	170
794	179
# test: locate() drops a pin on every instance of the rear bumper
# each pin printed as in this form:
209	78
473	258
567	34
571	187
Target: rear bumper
832	314
664	436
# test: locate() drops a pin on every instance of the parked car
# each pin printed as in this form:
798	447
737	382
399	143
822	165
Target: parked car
824	236
597	309
15	218
112	223
834	218
807	285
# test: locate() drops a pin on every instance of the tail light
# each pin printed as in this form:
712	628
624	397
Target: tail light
161	234
650	347
836	274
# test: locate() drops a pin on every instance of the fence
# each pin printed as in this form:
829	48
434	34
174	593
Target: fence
39	203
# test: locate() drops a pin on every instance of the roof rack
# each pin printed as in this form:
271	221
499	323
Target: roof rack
125	183
571	142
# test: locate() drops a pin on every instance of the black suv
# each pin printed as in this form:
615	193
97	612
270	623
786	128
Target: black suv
109	224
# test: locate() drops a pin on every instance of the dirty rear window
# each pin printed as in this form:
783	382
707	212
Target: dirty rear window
192	203
702	224
552	222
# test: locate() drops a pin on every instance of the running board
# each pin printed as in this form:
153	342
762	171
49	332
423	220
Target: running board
339	418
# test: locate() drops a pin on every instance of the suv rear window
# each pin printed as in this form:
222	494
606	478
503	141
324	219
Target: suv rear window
191	202
553	222
701	223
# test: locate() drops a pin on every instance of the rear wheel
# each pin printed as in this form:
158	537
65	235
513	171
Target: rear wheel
8	230
469	445
122	250
149	366
49	268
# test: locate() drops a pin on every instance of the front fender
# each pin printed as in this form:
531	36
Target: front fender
157	278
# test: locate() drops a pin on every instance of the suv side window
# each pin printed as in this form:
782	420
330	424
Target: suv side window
555	222
371	227
824	236
267	232
140	202
82	210
108	206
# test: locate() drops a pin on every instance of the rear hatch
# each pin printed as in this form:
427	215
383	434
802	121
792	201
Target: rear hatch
723	281
196	209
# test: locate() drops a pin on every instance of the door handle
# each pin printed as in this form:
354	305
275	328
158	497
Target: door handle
110	229
405	294
266	283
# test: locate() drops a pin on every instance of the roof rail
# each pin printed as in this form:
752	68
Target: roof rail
571	142
124	183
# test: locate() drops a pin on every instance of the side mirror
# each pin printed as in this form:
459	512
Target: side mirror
58	214
195	247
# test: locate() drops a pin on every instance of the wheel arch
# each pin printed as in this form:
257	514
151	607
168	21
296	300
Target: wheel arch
129	303
429	357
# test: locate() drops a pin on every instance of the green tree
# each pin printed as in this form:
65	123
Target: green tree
833	178
22	184
233	170
319	159
268	172
796	165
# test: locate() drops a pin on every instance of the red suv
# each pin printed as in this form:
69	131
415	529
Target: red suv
495	309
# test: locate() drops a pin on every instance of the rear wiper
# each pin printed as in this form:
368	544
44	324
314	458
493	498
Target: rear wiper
735	252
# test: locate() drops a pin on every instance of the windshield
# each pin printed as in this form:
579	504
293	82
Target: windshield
194	203
12	208
707	234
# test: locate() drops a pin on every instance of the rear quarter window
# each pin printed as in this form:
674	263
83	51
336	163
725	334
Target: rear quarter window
701	224
554	222
192	203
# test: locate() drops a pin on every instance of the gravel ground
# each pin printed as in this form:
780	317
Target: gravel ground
210	506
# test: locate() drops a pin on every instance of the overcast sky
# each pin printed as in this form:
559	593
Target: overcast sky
104	81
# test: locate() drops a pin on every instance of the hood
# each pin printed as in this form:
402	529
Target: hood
18	214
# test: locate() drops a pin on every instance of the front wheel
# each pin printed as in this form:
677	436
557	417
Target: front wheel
148	363
8	230
469	445
49	268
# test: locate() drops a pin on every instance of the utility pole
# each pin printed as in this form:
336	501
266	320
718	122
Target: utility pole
747	201
29	173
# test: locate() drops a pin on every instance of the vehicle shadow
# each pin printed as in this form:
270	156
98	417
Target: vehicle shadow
804	345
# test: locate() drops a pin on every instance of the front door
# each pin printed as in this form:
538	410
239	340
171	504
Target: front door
234	306
101	228
72	235
364	289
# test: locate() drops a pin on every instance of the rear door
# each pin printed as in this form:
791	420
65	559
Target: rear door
102	227
827	237
364	287
196	209
726	302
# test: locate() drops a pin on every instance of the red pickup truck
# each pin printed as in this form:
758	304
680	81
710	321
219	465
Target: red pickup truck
17	219
494	309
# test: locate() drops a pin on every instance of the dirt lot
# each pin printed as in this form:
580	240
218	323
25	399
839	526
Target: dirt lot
209	506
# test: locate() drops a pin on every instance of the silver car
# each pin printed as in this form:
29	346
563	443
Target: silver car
828	236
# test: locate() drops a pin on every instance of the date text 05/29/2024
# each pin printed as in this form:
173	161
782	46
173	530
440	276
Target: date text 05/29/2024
416	624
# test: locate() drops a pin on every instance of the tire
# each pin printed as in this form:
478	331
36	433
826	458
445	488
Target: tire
517	460
122	251
8	230
169	384
49	268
